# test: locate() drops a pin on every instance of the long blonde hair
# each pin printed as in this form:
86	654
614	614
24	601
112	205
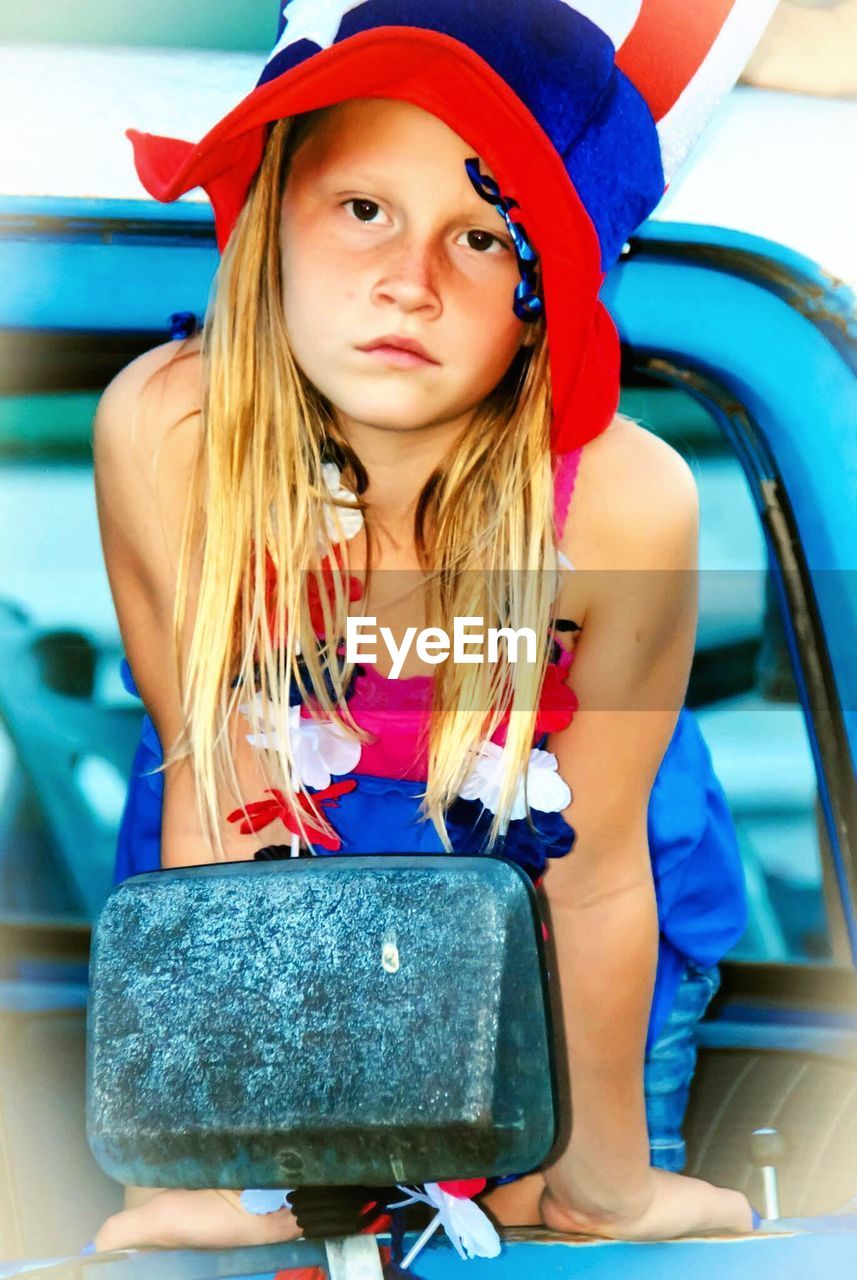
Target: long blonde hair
483	530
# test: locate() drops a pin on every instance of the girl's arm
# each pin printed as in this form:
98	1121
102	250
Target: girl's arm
146	439
636	514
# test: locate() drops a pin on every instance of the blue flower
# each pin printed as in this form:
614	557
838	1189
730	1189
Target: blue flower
468	823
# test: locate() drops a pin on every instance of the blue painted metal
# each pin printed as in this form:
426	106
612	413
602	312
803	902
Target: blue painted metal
99	212
769	329
839	856
56	274
788	375
33	997
792	1250
789	1257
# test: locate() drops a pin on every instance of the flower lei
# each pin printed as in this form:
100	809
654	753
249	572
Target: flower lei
322	749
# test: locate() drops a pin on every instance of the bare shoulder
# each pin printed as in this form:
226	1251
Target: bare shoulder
148	401
146	443
635	503
146	440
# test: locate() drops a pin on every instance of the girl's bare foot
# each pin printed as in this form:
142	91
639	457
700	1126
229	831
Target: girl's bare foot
194	1220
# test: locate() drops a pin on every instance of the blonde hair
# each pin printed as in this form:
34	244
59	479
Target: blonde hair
483	530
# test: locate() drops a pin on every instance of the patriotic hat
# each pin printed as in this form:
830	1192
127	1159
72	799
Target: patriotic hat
583	109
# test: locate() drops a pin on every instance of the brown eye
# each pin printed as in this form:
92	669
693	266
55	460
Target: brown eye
483	240
364	210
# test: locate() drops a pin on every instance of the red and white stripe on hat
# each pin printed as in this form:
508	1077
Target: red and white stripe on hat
682	55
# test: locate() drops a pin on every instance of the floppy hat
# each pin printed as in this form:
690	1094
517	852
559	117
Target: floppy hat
583	109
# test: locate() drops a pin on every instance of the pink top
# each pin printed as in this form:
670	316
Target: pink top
397	711
565	474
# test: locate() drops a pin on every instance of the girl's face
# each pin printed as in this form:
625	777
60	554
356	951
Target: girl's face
383	234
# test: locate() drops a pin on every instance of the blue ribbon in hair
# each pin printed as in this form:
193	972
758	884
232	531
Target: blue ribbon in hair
527	305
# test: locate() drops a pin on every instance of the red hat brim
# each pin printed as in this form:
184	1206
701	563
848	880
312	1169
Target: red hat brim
445	77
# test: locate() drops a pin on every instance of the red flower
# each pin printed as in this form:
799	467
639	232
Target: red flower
557	703
464	1188
378	1226
261	813
353	587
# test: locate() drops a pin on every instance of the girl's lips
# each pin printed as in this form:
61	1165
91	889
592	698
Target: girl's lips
398	357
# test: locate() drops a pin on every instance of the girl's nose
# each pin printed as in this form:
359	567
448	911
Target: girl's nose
409	280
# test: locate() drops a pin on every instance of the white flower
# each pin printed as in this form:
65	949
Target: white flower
351	521
471	1231
321	747
265	1201
546	790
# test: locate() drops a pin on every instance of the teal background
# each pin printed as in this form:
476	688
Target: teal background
200	24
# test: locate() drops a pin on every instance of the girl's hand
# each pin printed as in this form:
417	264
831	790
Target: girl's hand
194	1220
679	1206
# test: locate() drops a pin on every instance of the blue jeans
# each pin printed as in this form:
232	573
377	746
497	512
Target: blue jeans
670	1066
668	1071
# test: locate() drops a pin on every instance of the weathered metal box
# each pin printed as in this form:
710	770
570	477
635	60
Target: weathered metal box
318	1021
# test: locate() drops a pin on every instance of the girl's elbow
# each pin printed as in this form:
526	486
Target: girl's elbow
594	872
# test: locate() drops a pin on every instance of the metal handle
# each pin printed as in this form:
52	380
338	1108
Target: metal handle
767	1150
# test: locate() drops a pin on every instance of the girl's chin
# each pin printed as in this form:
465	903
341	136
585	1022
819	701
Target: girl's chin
395	417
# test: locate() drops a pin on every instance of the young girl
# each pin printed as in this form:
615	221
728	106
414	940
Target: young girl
404	373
